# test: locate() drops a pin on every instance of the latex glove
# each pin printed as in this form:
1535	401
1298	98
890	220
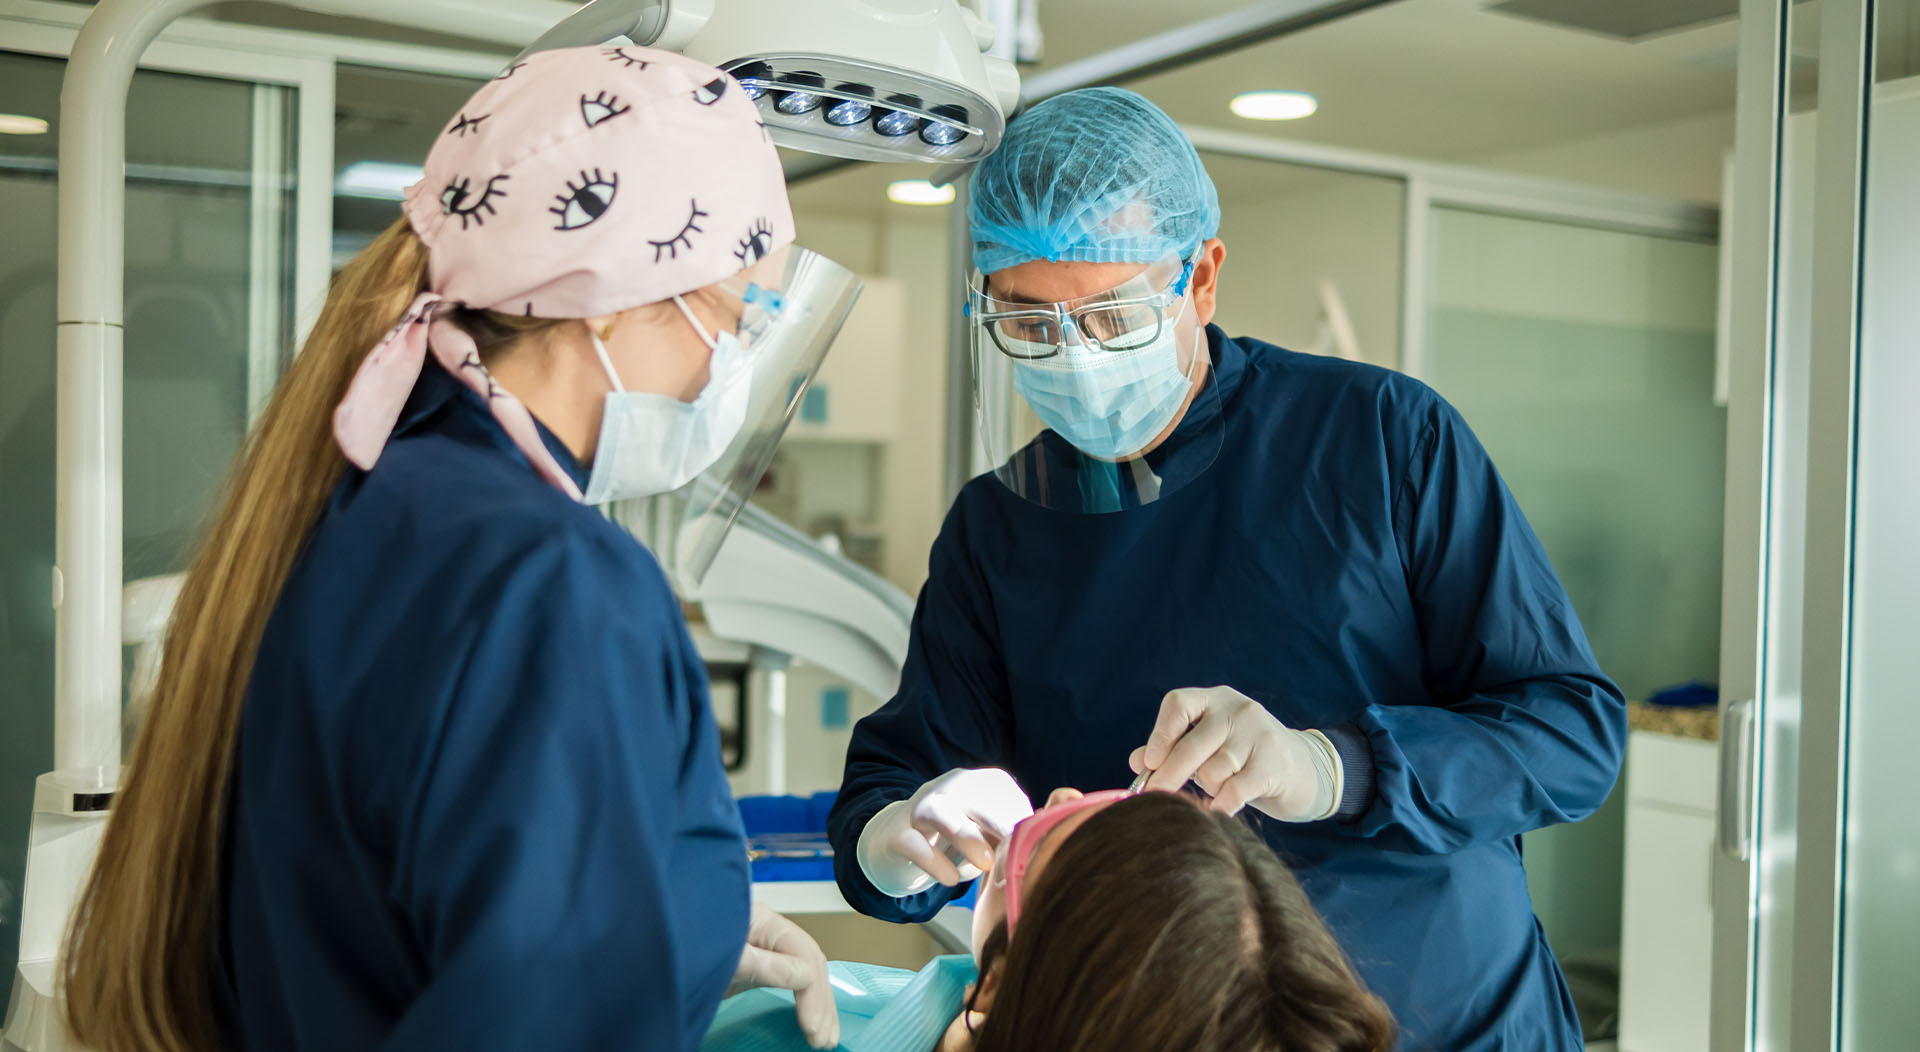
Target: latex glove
780	955
1231	746
944	833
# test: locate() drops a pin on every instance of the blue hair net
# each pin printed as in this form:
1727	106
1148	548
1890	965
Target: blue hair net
1099	175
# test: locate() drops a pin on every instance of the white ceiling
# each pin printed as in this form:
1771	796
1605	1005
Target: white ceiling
1434	79
1442	80
1446	80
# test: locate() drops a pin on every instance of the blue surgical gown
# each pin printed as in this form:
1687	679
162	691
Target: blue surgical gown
478	801
1351	560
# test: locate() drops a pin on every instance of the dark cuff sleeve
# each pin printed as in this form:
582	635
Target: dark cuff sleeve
1356	763
849	816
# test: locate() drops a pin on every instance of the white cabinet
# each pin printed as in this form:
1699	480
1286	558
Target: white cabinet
1666	931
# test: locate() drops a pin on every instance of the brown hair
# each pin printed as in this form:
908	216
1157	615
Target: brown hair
139	972
1163	925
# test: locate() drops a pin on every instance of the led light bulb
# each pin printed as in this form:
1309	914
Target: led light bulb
893	123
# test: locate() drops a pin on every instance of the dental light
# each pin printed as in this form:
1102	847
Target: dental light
849	78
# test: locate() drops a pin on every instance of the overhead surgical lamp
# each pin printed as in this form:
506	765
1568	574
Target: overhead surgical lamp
850	78
900	80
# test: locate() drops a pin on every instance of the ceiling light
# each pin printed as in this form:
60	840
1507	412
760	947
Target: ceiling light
19	124
1274	105
918	192
377	180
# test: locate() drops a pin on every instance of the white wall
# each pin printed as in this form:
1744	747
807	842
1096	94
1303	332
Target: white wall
1679	160
915	249
1311	226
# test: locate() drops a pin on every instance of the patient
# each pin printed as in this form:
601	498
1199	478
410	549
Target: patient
1114	922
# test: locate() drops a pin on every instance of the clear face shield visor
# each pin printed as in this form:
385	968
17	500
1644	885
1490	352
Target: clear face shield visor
791	304
1096	404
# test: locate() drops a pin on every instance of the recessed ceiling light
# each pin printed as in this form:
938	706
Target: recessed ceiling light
918	192
1274	105
18	124
376	180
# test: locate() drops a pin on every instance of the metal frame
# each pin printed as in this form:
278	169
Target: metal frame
961	457
1846	74
268	233
1416	270
1748	544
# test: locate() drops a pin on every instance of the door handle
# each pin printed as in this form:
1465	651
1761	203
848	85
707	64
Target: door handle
1735	811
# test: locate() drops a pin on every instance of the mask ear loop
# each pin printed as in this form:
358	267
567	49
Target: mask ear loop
600	350
699	329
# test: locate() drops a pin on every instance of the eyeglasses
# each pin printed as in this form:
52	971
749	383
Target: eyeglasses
1028	834
1124	318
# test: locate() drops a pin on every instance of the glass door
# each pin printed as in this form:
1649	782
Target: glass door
1754	862
1817	892
212	213
1859	899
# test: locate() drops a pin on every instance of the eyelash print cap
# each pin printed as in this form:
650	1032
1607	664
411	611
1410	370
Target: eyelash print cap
593	180
579	182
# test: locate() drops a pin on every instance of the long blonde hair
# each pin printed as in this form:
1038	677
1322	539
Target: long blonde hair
139	972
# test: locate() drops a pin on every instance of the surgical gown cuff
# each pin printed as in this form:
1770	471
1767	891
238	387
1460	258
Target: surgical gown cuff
1356	765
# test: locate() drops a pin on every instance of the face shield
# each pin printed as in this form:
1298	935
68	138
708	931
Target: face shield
790	305
1097	404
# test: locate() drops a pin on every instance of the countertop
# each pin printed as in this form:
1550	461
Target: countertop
1702	724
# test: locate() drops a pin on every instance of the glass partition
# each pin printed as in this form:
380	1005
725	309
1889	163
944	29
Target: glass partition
208	299
1583	358
1880	883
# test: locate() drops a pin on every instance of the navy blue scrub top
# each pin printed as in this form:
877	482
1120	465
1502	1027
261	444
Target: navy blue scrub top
478	800
1352	561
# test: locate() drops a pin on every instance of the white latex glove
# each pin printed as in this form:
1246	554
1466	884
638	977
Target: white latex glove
944	833
780	955
1231	746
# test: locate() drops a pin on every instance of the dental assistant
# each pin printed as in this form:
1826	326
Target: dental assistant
430	764
1295	581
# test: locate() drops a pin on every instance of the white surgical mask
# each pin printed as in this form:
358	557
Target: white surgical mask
654	443
1109	404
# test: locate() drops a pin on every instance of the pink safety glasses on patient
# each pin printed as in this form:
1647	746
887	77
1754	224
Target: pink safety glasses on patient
1028	834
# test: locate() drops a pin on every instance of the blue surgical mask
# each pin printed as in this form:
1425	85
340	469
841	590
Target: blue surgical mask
655	443
1109	404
